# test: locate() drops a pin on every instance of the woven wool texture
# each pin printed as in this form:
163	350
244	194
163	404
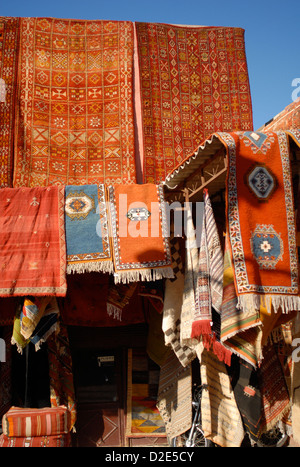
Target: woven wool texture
261	220
193	82
32	240
9	46
47	421
75	115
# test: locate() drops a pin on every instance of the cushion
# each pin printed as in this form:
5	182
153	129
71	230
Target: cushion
48	421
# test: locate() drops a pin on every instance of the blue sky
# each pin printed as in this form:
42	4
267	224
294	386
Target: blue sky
272	34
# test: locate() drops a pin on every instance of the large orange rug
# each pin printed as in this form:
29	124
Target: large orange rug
32	242
75	115
193	82
261	221
139	230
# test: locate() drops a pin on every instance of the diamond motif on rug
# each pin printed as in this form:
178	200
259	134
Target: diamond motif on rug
261	182
266	246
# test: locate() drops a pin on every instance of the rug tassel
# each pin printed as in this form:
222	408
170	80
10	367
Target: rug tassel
99	266
114	311
200	328
283	303
143	275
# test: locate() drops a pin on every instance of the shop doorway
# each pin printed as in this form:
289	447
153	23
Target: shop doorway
99	381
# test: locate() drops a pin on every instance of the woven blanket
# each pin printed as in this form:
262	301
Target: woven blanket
261	221
190	282
209	287
34	322
20	422
119	296
220	417
274	392
32	242
86	224
172	308
193	81
246	388
75	114
139	233
32	311
55	441
9	47
174	400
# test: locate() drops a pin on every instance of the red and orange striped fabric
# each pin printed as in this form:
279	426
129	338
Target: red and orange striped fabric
48	421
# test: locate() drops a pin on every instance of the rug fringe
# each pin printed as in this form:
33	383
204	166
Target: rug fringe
91	266
284	303
143	275
114	311
201	327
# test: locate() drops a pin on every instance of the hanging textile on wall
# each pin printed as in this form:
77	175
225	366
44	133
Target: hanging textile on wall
139	233
221	419
261	221
193	82
87	298
32	242
75	114
174	400
35	320
172	319
209	287
9	47
87	233
274	391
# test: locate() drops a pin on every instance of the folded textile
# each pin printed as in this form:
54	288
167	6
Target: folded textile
23	422
32	311
48	324
172	307
174	399
9	46
87	233
209	287
185	91
139	232
221	420
246	388
35	320
240	329
273	388
190	283
75	118
119	296
32	242
261	221
52	441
